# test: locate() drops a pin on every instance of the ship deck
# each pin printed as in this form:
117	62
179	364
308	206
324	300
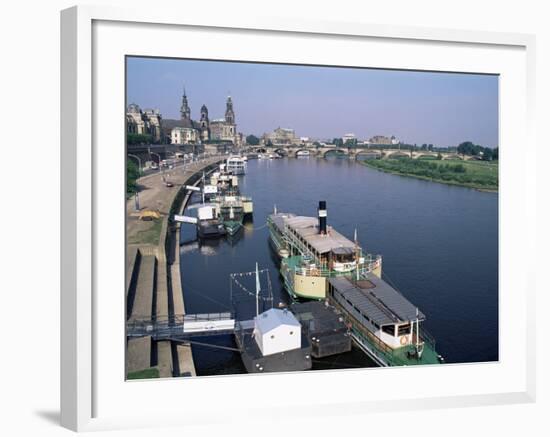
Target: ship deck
371	303
376	299
395	357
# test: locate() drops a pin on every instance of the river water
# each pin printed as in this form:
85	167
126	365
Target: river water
439	245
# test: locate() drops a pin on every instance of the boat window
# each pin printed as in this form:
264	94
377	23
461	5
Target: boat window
404	329
389	329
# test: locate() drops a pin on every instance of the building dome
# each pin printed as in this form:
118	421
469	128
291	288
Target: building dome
134	108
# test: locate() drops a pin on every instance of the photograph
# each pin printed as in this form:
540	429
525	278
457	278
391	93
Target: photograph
289	217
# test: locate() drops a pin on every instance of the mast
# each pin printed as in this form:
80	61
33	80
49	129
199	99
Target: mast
417	330
257	291
356	255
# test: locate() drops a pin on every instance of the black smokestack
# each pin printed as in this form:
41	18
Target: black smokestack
322	217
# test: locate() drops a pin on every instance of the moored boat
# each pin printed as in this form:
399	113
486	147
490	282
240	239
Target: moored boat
384	324
232	211
226	183
312	252
208	226
324	265
236	165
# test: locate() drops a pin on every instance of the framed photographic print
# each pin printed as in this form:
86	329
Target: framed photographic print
330	208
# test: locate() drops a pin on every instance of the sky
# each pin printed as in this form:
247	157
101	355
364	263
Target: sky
443	109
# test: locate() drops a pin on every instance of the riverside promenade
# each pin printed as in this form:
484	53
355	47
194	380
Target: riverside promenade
153	281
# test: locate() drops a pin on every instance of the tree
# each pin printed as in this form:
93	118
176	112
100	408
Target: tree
252	140
132	174
338	142
317	144
469	148
139	138
488	154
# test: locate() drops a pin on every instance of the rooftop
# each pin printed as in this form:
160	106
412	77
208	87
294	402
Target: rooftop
273	318
308	229
377	299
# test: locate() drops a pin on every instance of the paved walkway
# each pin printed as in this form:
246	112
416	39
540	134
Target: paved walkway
155	195
150	238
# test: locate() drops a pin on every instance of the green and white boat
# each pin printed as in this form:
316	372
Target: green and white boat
232	210
312	253
317	262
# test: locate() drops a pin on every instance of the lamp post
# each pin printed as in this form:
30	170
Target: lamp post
154	153
136	194
136	200
138	159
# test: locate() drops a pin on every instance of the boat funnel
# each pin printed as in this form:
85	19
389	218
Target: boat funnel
322	217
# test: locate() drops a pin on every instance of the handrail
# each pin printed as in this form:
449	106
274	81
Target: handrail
366	267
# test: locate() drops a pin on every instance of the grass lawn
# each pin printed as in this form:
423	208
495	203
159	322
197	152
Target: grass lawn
152	372
150	234
481	175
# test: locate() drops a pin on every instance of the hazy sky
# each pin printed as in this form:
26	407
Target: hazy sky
325	102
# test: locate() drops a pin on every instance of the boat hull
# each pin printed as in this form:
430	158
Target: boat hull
232	226
211	230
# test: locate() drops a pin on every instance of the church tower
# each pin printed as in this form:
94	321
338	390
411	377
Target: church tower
229	114
204	124
204	117
185	110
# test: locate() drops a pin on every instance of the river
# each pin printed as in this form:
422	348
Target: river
439	245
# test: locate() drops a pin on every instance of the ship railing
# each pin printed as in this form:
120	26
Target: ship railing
378	347
316	271
426	337
166	324
375	344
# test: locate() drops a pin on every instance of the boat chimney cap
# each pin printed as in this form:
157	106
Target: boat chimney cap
322	217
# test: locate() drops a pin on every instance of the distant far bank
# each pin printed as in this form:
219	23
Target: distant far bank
480	175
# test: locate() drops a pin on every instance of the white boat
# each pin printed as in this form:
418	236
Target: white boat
236	165
302	153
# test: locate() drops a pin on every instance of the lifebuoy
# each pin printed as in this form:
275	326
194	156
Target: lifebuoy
403	340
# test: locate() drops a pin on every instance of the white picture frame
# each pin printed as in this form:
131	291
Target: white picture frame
92	392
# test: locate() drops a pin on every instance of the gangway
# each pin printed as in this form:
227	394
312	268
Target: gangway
180	327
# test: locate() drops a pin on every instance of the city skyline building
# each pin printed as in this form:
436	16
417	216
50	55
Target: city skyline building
204	130
326	102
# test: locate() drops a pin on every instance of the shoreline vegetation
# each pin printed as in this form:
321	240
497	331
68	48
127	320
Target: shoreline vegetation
479	175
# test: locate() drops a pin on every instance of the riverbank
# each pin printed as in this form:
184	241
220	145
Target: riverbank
479	175
154	285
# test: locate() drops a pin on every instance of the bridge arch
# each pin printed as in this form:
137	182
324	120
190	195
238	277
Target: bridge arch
281	152
425	156
337	152
302	149
397	154
368	155
261	150
451	156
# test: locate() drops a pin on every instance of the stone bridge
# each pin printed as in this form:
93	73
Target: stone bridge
357	153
